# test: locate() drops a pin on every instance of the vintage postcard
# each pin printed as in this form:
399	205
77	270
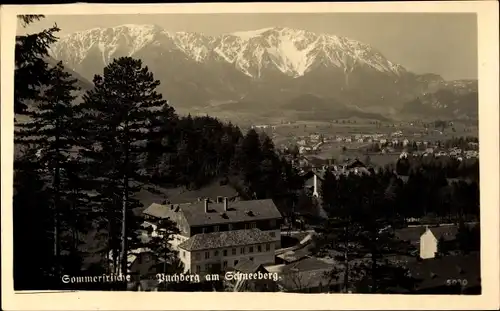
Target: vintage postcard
248	156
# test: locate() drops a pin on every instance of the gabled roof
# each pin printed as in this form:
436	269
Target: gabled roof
171	211
446	232
239	211
307	264
354	163
307	273
411	234
247	266
226	239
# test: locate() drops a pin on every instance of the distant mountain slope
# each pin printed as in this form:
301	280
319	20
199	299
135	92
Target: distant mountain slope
318	108
445	103
81	82
267	66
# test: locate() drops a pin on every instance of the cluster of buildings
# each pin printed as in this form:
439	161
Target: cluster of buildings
220	232
437	152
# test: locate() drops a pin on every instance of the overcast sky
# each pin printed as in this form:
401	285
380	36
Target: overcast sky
442	43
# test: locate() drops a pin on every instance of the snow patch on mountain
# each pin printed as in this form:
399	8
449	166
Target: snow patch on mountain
247	35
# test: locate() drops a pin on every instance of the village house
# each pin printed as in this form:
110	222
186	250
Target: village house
426	239
301	142
217	235
315	137
214	191
215	252
309	275
430	238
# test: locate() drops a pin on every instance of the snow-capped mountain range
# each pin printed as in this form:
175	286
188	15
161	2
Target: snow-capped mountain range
271	64
291	51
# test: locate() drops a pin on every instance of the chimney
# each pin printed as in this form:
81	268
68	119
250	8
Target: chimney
206	205
225	204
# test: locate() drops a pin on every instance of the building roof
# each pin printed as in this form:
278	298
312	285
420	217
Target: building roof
171	211
296	255
410	234
354	163
195	215
446	232
239	211
436	271
247	266
226	239
307	264
413	234
307	273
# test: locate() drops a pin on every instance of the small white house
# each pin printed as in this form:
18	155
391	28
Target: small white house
430	238
428	245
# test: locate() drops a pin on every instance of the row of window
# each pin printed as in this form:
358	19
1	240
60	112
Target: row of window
234	251
251	225
224	265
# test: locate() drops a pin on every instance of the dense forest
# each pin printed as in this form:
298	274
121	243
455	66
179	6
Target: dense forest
364	212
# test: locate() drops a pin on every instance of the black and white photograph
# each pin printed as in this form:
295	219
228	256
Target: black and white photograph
278	152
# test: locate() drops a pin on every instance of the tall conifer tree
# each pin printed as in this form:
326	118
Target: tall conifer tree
117	118
49	130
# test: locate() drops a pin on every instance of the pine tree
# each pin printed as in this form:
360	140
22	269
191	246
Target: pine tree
49	130
31	69
357	236
117	116
165	258
338	236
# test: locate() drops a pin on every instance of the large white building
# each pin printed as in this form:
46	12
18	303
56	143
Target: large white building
215	236
218	251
